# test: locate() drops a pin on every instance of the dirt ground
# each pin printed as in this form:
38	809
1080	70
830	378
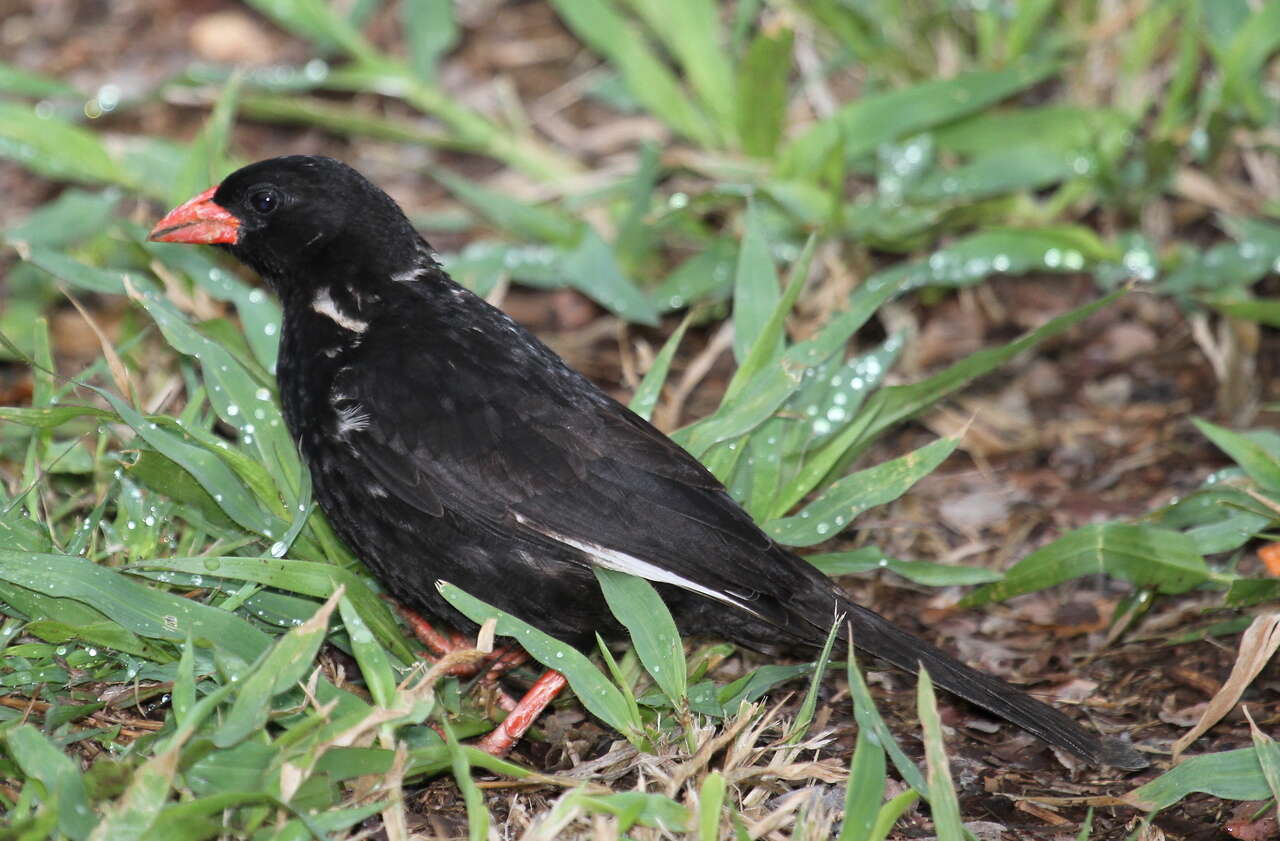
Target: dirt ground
1090	427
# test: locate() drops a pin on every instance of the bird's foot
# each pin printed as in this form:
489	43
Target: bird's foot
502	738
520	714
439	645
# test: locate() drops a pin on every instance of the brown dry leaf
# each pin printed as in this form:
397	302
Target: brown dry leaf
1270	555
1257	646
231	37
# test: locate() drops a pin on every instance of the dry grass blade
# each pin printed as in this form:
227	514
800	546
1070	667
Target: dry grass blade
1258	645
119	374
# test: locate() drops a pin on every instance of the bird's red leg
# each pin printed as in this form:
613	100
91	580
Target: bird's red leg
520	715
502	738
440	645
436	642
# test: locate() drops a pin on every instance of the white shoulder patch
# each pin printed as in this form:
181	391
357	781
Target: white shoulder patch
324	305
622	562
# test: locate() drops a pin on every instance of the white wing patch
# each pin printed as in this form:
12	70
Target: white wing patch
622	562
324	305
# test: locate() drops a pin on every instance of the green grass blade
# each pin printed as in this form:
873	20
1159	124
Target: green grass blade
430	30
1257	462
477	814
942	790
865	789
776	383
1148	556
890	813
142	610
1231	775
526	220
305	577
604	29
710	804
40	760
760	107
592	269
921	572
375	668
804	716
859	128
20	82
54	148
653	632
870	722
288	660
691	30
846	499
650	388
755	290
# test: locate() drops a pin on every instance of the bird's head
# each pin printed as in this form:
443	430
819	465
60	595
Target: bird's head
296	220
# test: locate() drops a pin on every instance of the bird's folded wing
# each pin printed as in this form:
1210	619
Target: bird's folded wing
512	444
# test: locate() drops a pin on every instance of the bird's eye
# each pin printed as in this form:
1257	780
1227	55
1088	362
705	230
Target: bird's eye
264	201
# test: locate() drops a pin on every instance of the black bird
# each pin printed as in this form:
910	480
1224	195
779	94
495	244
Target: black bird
447	442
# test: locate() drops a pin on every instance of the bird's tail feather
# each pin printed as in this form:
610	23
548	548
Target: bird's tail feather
876	635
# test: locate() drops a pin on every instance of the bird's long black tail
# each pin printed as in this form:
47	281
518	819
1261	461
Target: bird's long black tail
878	636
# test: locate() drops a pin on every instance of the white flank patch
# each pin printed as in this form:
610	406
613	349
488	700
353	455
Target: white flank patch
324	305
352	418
407	276
622	562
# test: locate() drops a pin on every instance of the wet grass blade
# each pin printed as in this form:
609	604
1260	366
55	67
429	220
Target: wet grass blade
641	610
850	496
139	609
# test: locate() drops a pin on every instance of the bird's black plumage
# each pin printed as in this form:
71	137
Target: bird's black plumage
447	443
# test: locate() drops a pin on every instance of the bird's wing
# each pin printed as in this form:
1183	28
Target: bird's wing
501	432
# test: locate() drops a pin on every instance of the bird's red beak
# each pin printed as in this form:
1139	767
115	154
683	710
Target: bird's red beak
198	220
